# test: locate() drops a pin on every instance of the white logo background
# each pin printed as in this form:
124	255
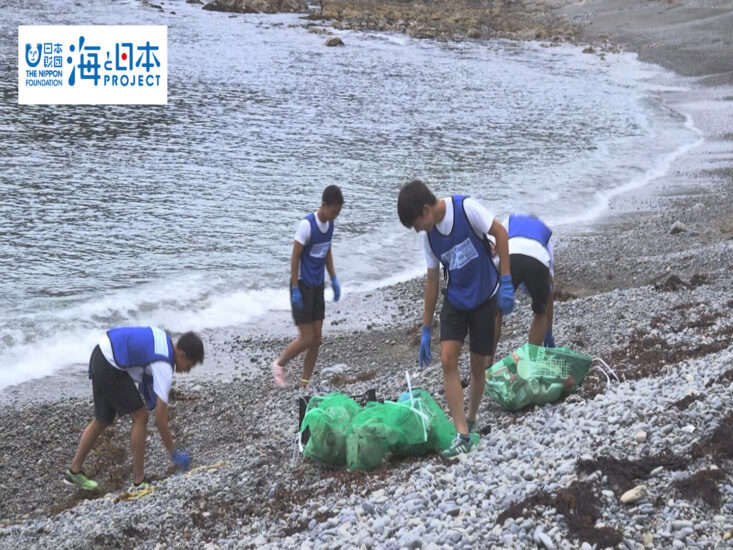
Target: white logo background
84	64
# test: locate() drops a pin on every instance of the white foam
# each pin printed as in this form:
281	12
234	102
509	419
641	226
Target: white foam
67	336
36	360
659	168
386	254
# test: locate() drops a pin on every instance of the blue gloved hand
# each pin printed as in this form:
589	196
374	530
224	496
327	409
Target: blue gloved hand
505	299
425	356
181	458
549	339
296	298
336	288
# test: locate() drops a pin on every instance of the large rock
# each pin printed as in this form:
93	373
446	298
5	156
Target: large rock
678	227
257	6
632	495
334	41
318	30
333	370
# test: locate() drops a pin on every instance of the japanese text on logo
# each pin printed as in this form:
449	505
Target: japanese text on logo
92	64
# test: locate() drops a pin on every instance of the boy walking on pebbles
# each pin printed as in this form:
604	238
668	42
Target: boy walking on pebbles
125	356
455	233
530	254
311	257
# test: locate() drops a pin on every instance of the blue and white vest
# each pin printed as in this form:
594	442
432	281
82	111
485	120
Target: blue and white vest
138	347
472	276
313	258
529	227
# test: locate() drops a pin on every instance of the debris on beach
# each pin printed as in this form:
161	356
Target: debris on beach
341	432
534	375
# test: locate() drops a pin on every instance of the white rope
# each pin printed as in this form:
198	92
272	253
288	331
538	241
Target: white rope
605	371
420	414
424	418
599	369
609	369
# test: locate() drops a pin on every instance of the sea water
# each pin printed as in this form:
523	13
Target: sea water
183	215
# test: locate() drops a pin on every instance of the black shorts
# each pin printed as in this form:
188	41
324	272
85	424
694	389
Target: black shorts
478	322
114	390
536	277
314	305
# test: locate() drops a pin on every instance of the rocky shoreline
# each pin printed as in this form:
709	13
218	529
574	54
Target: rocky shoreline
655	305
256	6
452	19
671	346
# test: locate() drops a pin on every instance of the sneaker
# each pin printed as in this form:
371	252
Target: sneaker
278	372
144	484
80	480
461	446
470	425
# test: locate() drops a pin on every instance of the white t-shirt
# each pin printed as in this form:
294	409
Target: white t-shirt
477	215
532	248
303	229
161	371
303	233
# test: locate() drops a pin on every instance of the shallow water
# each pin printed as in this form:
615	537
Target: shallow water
183	215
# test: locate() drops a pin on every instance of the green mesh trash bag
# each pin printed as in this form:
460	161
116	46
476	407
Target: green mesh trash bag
410	421
369	438
535	375
328	418
412	426
440	429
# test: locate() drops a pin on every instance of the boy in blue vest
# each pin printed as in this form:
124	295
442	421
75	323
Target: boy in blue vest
455	233
311	257
125	356
530	255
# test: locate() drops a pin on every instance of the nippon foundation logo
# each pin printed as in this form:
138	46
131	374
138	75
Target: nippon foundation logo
86	65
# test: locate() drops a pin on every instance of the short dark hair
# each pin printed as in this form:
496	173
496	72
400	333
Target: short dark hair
413	196
190	344
332	195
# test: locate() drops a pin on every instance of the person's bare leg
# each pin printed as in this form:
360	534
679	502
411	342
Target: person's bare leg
450	350
137	443
311	354
497	335
478	381
93	430
537	329
299	345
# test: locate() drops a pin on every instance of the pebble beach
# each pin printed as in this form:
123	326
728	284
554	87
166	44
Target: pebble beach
643	462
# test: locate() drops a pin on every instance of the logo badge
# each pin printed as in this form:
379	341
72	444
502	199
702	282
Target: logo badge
92	65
